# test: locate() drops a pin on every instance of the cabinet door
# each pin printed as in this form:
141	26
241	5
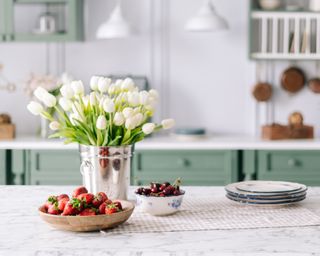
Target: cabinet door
294	165
198	168
54	167
3	170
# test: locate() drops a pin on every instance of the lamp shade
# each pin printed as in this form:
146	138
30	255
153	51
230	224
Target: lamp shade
115	27
206	19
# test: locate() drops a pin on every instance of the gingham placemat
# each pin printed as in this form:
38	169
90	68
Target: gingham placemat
219	213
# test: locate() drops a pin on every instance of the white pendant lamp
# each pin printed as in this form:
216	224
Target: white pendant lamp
115	27
206	20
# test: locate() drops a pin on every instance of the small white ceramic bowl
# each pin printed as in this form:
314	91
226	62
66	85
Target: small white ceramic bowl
160	206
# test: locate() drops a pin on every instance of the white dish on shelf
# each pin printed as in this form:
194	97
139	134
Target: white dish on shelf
258	186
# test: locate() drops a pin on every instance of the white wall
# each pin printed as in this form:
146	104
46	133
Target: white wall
204	79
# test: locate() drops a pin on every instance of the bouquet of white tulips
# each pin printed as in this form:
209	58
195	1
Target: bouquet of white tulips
113	114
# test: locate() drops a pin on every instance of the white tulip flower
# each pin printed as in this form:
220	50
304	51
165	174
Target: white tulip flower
143	97
101	122
40	92
54	125
72	118
93	99
127	112
77	87
127	84
154	93
118	119
131	123
133	98
112	89
148	128
167	123
86	100
94	83
104	84
66	78
66	91
65	103
35	108
49	100
108	106
138	118
78	111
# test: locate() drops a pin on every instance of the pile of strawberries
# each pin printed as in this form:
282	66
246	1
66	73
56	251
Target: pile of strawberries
82	203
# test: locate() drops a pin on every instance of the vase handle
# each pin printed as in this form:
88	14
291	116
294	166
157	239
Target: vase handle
86	170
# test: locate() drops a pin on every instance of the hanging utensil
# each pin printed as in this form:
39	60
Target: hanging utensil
314	83
293	79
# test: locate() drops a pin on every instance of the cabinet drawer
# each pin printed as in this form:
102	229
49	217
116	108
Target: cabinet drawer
54	161
294	165
201	168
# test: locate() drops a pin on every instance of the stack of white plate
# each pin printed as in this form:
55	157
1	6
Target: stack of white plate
266	192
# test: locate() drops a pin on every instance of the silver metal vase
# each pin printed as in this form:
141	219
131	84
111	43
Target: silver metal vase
106	169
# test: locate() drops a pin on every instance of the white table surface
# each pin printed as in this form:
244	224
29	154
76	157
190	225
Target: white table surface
22	232
171	142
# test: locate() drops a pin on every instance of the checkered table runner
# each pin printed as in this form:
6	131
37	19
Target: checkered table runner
219	213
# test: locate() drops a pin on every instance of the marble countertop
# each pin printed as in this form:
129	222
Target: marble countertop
171	142
22	232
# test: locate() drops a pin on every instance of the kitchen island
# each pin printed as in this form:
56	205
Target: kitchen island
22	232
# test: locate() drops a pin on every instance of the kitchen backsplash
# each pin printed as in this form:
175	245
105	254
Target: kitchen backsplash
205	79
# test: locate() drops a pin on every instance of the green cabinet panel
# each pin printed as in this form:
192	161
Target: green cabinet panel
18	167
293	165
195	167
3	167
54	167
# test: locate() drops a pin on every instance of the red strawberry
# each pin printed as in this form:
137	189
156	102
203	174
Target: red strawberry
102	208
111	208
62	196
79	191
53	209
108	201
118	205
74	206
51	200
99	198
86	198
62	203
87	212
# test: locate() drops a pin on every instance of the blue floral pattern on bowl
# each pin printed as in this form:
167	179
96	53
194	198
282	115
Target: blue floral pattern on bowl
176	203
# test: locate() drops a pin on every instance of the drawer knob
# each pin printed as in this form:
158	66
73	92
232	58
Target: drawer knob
293	162
183	162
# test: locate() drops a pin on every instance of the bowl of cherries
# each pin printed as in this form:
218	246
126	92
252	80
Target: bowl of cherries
160	199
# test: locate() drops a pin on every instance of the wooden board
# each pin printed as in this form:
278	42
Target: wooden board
7	131
284	132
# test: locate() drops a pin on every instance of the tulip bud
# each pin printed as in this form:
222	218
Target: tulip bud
138	119
112	89
66	104
154	93
133	98
104	84
130	123
118	119
94	83
127	84
49	100
77	87
148	128
93	99
40	92
167	123
101	122
85	100
35	108
143	97
54	125
127	112
66	91
108	106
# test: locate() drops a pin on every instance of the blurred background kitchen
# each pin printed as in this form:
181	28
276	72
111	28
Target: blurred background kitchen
222	68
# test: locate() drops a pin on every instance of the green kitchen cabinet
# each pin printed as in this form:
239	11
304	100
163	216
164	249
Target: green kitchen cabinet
69	18
3	167
195	167
53	167
289	165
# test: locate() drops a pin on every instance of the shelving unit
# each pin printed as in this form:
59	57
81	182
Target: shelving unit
72	15
284	35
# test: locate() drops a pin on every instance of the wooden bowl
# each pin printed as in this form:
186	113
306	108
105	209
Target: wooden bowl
314	85
88	223
293	79
262	92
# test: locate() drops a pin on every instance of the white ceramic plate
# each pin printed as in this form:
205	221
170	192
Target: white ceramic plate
232	188
268	197
253	202
266	200
259	186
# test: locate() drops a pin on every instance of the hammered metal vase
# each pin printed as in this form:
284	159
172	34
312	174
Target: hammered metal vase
106	169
